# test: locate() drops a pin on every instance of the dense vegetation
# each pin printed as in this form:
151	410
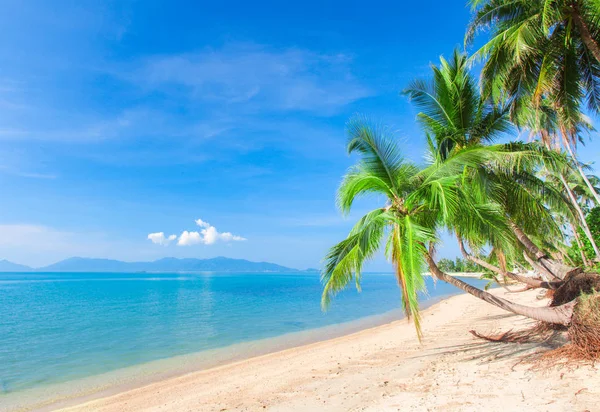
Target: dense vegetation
513	206
458	265
583	249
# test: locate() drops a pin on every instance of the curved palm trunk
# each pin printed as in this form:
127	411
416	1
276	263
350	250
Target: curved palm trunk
584	258
534	283
558	314
581	172
545	273
586	36
583	222
554	269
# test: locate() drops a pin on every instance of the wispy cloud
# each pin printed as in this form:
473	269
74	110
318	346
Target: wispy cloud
21	173
39	245
272	80
30	242
207	235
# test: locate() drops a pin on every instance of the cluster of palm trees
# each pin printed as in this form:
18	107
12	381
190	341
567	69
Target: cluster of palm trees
509	204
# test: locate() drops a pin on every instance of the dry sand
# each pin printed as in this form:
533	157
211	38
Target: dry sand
384	369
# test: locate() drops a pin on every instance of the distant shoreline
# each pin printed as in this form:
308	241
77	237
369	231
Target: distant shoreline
167	264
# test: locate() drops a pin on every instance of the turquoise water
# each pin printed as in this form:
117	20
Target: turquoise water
57	327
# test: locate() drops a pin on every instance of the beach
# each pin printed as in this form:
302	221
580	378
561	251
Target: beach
384	368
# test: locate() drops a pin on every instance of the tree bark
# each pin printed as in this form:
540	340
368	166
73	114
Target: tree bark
558	314
525	241
535	283
554	269
586	36
583	222
545	273
571	151
584	258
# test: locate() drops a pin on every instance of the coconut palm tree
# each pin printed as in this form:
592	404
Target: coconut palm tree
578	191
454	114
543	121
451	109
418	204
544	40
542	50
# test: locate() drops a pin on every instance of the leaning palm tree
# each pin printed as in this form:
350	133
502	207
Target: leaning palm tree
579	193
455	116
382	171
543	121
418	204
542	50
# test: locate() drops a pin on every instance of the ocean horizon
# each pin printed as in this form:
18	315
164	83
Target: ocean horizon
61	330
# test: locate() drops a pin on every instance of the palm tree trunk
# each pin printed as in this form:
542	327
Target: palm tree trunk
586	36
528	243
558	314
535	283
583	222
584	258
556	270
567	144
544	273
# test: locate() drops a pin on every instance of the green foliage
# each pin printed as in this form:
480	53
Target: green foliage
452	110
593	221
469	185
381	170
543	60
458	265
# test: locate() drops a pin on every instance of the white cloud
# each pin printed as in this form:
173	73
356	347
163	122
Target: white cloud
207	235
159	238
202	223
228	237
189	238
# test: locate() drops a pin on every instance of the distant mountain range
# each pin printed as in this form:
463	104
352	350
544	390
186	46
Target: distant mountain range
6	266
218	264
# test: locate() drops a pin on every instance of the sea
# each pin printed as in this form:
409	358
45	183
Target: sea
67	337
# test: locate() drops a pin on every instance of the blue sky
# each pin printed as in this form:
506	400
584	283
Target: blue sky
119	119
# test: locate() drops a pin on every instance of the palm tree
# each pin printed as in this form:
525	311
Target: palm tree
543	121
383	171
455	116
452	111
418	203
579	192
542	50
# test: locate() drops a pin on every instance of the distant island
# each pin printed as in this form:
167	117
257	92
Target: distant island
218	264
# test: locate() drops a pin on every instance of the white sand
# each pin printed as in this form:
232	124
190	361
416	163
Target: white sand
381	369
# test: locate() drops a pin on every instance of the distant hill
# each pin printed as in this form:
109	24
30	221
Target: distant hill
6	266
218	264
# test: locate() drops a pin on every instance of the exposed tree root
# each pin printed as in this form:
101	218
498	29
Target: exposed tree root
576	285
584	330
583	334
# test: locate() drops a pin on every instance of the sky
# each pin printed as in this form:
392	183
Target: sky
136	130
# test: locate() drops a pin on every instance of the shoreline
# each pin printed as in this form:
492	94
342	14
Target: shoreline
73	392
380	365
383	368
